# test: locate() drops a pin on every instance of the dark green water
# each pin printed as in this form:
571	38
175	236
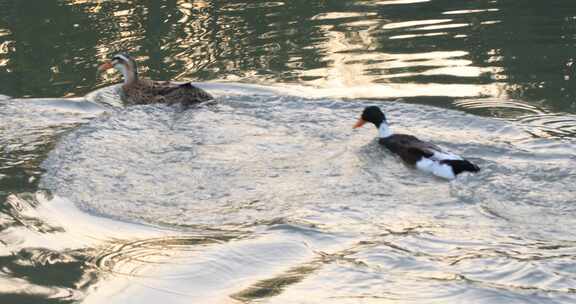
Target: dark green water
497	49
278	233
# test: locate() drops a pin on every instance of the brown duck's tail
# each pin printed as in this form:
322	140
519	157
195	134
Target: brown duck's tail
459	166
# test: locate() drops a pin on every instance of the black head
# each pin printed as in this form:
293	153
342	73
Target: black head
371	114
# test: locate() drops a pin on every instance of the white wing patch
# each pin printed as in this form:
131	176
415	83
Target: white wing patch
436	168
433	165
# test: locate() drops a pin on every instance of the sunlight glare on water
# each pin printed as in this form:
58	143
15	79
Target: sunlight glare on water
311	180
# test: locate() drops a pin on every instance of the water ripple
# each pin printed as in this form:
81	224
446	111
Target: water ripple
315	207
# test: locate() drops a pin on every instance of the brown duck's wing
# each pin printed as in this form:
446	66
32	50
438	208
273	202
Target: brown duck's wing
409	148
185	93
146	91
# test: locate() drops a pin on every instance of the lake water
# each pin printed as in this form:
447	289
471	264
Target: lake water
268	195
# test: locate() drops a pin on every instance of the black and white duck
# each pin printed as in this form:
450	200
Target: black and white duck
413	151
136	90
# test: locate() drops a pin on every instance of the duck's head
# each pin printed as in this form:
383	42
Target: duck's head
123	64
371	114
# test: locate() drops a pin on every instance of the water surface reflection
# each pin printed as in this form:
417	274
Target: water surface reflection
359	48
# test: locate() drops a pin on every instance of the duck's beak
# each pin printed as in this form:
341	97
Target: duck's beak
359	123
105	66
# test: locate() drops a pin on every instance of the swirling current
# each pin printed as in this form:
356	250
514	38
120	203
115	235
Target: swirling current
263	196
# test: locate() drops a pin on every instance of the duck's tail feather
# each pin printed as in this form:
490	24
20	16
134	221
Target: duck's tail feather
459	166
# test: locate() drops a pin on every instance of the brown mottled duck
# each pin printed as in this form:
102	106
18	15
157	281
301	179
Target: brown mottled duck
136	90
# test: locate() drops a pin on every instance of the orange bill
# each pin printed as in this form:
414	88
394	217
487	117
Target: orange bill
105	67
359	123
